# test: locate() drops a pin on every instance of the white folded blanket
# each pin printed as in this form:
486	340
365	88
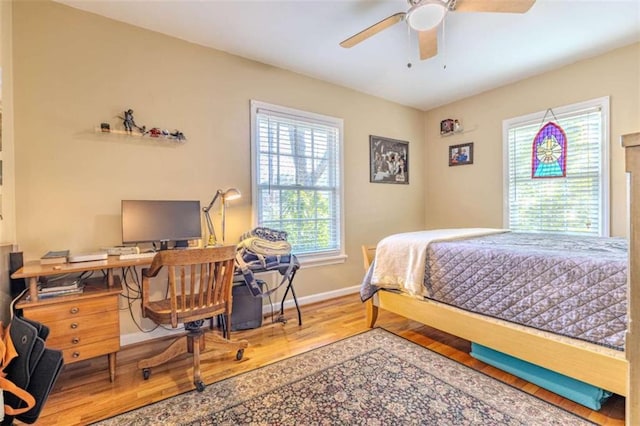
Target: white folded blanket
401	258
265	247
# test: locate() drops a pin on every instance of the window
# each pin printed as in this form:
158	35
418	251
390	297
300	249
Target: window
297	178
574	203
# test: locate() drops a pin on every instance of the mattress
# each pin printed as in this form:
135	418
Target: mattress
569	285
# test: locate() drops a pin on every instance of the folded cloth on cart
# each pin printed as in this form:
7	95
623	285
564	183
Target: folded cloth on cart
266	234
248	263
264	249
259	263
261	246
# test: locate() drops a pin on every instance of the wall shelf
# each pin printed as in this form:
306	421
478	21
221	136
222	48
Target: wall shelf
138	135
459	132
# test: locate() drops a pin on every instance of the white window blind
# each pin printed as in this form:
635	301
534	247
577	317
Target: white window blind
297	177
575	204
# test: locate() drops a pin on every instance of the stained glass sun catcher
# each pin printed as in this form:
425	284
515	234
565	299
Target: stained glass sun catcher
549	152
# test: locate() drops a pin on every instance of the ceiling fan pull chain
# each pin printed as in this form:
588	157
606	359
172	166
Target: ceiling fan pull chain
444	43
410	47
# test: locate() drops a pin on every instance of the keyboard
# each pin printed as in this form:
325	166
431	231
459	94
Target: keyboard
133	256
88	257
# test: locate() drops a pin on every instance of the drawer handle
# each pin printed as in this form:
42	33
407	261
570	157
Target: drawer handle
75	310
75	354
74	325
75	340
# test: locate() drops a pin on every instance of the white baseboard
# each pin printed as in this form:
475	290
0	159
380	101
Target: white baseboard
314	298
137	337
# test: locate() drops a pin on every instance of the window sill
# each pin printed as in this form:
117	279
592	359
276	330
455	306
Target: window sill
311	261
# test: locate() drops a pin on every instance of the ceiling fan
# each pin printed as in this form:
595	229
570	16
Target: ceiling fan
424	16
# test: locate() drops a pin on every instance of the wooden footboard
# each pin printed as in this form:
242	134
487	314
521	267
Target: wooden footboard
631	143
602	367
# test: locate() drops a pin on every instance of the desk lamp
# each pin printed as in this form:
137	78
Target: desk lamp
229	194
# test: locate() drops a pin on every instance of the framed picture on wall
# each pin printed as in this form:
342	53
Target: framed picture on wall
460	155
446	126
388	160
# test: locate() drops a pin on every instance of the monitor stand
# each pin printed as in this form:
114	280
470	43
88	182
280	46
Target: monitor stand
181	244
178	245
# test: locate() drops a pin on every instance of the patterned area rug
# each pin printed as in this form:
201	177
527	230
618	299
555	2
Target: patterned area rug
374	378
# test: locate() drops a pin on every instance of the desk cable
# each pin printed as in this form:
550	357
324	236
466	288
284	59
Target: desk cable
133	290
133	294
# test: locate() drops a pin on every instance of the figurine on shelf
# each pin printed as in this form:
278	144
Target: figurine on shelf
178	135
128	122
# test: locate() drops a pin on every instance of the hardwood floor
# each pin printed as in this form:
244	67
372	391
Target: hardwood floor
83	393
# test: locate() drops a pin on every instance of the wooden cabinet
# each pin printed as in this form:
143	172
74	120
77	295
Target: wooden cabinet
82	326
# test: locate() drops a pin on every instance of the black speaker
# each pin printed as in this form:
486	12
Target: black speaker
247	310
15	263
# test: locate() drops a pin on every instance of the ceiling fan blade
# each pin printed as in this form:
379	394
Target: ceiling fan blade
428	43
373	30
505	6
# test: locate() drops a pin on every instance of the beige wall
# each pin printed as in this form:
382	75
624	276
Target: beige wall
7	228
472	195
74	70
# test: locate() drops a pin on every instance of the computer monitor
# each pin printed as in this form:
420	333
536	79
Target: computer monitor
151	221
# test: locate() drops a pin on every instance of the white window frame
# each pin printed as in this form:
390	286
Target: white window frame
310	259
601	103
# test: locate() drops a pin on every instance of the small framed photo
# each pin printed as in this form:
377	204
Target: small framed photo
388	160
446	126
460	155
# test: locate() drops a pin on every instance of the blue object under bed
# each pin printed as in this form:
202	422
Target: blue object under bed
575	390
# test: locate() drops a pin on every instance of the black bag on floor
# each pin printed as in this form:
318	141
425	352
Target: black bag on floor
35	369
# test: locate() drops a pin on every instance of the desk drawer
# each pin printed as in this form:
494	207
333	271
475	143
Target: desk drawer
83	330
79	307
84	325
82	352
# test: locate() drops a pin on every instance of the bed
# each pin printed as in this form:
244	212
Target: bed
602	365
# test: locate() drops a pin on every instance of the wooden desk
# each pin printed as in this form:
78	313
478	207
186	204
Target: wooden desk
83	325
32	271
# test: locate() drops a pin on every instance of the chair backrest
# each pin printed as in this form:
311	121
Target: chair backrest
368	254
200	283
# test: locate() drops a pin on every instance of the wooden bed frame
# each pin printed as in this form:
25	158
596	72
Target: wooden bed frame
613	370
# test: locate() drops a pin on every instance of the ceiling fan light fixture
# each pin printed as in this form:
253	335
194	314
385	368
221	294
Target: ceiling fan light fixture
426	14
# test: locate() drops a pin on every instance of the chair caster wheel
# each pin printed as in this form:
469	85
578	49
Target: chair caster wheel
199	385
146	373
239	354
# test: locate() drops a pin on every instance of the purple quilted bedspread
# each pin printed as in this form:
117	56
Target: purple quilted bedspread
575	286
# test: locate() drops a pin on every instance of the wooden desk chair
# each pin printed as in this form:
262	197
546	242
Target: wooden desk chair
199	287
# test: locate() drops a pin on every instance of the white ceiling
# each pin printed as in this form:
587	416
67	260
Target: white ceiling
480	50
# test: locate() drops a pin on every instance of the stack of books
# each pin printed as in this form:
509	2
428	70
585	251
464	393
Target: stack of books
53	257
60	288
